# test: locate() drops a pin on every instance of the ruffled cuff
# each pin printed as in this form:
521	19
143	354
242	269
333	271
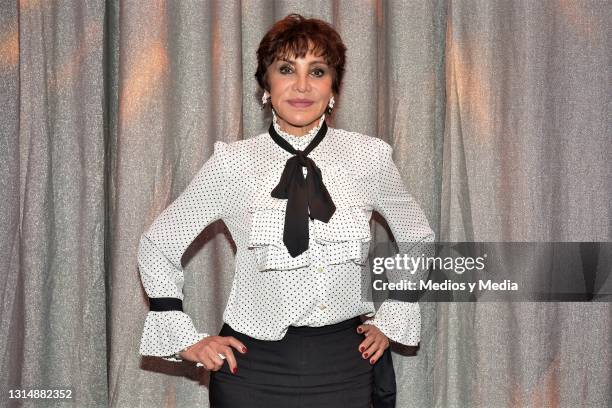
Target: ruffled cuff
399	321
167	333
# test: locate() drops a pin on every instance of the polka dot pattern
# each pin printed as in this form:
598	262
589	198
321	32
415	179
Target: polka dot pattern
400	321
271	290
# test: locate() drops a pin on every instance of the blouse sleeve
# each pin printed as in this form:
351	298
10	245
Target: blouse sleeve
400	321
161	249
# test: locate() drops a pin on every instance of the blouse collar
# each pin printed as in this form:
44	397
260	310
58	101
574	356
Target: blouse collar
298	142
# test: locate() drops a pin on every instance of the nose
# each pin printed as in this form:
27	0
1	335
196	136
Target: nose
302	83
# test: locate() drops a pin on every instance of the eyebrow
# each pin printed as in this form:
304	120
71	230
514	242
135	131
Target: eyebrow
312	62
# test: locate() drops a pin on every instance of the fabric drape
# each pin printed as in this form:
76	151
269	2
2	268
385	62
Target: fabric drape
497	111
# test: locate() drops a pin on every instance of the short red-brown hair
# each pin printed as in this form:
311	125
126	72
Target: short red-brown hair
294	36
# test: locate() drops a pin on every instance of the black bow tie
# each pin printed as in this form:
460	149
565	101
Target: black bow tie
301	194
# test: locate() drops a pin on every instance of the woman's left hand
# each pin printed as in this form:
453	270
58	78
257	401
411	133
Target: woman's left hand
374	344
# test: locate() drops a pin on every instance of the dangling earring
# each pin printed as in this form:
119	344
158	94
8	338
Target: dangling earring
330	105
264	99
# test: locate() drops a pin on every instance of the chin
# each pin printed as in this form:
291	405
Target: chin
301	119
300	122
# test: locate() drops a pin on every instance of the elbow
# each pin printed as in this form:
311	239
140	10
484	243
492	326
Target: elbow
142	251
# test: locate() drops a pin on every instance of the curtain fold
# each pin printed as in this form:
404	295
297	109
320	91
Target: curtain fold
524	145
498	113
53	277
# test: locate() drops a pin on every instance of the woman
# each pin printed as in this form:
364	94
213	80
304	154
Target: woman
297	201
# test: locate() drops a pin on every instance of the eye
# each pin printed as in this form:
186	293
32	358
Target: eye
285	69
318	72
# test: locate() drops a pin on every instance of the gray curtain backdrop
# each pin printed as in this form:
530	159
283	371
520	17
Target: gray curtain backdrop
498	111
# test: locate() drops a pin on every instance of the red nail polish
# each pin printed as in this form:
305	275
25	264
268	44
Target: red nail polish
359	329
244	349
235	370
361	348
365	355
372	361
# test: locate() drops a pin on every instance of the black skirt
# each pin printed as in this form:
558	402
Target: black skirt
310	367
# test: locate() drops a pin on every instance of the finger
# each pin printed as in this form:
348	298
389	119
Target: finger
367	329
237	344
367	342
231	359
213	355
203	358
377	344
376	356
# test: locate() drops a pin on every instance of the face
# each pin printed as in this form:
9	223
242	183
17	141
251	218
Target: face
300	89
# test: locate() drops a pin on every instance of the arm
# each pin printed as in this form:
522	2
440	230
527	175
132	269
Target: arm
159	257
400	321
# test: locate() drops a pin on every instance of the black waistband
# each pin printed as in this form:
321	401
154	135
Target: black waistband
330	328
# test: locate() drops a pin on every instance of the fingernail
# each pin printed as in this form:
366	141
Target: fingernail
244	349
365	355
372	361
235	370
361	348
359	329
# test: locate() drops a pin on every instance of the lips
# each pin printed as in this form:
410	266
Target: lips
300	103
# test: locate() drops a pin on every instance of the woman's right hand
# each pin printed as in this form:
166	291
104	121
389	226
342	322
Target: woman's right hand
207	351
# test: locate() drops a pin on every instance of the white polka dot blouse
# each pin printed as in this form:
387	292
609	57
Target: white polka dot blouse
271	289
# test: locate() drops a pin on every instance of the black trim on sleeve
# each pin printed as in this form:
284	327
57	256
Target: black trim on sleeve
165	304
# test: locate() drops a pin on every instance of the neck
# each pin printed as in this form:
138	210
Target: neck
296	130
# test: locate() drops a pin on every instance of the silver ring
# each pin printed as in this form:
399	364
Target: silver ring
221	356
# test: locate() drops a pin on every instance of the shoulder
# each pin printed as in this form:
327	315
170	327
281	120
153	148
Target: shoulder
355	137
246	156
358	140
239	148
358	148
233	146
